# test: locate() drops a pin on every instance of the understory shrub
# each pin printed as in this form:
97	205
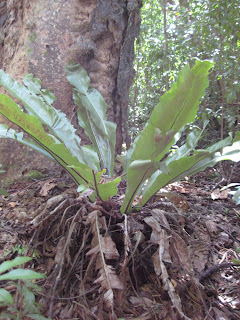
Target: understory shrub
23	304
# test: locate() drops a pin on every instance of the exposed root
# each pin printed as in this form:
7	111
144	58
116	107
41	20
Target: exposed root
132	263
104	265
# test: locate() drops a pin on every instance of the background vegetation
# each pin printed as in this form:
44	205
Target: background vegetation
174	33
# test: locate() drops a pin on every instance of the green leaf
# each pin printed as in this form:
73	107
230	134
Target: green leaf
109	189
33	127
29	301
21	274
187	166
28	123
230	185
34	86
231	152
104	188
236	196
0	169
237	136
92	116
191	142
81	173
82	188
5	296
231	96
18	136
4	192
38	102
86	173
135	180
13	263
5	315
176	108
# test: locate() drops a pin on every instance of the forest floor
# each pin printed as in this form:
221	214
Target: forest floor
174	259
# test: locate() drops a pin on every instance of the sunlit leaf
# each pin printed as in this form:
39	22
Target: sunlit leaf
176	108
18	136
92	115
13	263
187	166
37	102
6	297
31	125
21	274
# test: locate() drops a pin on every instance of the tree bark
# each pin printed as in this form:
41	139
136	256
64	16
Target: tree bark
40	37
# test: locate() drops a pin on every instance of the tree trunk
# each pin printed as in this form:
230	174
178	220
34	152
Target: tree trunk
40	37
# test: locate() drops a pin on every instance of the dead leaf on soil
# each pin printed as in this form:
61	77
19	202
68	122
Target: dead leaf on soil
212	227
162	254
59	250
8	240
46	187
219	314
217	194
103	248
67	312
54	201
109	275
199	247
180	187
177	199
157	233
108	248
139	301
13	204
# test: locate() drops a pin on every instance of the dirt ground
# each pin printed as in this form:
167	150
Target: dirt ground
176	258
